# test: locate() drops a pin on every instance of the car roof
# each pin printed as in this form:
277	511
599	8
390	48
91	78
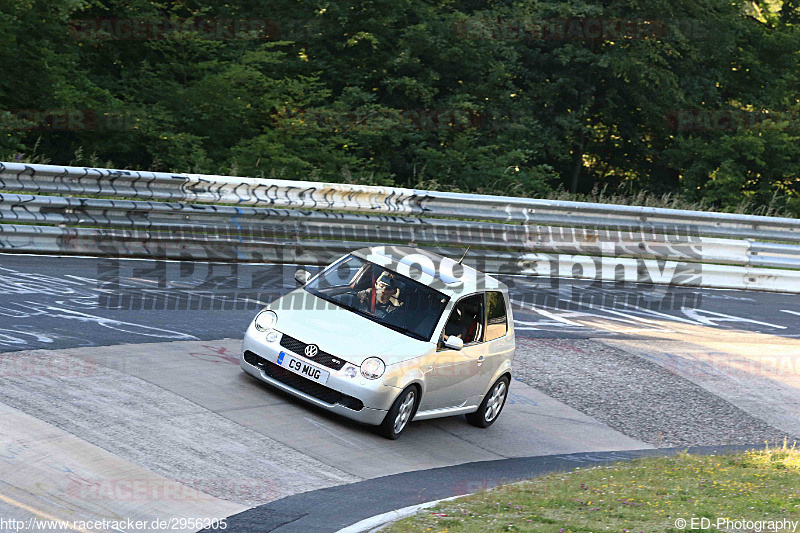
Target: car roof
438	272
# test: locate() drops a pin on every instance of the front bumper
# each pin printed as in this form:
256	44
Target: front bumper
376	397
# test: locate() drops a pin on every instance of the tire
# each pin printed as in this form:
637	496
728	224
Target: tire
400	414
492	404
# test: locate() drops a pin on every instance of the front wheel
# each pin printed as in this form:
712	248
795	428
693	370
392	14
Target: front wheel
400	414
491	405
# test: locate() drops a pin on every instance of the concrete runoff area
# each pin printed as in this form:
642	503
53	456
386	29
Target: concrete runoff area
188	379
50	474
185	413
163	431
152	400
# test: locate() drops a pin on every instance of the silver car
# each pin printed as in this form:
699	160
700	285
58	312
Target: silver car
386	335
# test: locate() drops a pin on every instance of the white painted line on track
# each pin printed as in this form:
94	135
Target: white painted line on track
555	317
374	523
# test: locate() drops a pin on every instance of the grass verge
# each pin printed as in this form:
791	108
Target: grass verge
648	495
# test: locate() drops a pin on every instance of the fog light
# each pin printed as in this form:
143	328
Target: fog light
272	335
350	371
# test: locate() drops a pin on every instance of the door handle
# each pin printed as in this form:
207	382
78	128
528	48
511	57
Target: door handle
480	360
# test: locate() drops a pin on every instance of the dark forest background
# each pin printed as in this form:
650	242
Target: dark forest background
682	102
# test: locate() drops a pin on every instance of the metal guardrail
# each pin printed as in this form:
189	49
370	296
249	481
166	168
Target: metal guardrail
247	219
192	188
263	224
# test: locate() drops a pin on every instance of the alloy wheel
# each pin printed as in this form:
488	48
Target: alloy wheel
495	402
404	414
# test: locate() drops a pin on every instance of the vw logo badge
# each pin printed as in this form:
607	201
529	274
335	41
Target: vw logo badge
311	350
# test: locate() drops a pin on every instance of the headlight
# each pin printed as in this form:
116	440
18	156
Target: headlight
266	320
373	368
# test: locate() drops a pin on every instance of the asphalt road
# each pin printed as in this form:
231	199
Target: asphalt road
50	302
117	373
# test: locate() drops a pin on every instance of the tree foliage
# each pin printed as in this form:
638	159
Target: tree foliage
695	98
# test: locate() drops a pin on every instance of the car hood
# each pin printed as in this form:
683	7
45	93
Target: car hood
341	332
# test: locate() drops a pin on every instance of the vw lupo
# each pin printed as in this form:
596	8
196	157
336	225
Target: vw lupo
386	335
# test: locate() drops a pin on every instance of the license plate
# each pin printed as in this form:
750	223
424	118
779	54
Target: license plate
304	369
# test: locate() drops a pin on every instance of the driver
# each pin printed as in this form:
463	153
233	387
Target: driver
386	291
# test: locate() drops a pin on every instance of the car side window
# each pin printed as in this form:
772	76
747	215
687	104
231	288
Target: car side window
466	320
496	321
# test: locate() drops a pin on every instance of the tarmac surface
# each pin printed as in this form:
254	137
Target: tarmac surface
121	395
50	302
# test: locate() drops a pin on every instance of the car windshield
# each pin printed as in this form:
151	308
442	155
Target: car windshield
381	295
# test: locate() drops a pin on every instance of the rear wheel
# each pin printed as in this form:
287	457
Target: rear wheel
491	405
400	414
